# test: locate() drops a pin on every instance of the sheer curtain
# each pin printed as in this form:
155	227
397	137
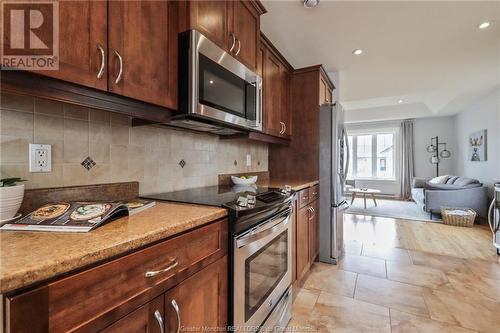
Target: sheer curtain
407	166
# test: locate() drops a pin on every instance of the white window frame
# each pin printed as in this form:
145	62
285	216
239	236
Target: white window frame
374	131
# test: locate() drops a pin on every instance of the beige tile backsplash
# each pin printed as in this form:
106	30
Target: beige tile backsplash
148	154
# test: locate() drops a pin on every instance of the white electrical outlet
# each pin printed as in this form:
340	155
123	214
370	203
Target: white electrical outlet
249	160
40	158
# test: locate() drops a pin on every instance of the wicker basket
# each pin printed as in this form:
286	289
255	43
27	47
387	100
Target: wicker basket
461	217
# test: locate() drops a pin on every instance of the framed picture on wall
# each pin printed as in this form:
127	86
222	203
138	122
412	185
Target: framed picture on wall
477	146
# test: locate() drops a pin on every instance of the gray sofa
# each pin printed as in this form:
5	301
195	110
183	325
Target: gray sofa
456	192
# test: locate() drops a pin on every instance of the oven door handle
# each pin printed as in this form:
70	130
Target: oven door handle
263	231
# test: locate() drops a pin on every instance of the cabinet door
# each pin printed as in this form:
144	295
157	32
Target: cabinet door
199	301
312	232
82	38
286	115
316	228
303	242
245	26
149	318
210	19
322	90
143	48
272	95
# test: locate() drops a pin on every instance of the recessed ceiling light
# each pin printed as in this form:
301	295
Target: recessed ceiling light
357	52
400	101
310	3
211	81
484	25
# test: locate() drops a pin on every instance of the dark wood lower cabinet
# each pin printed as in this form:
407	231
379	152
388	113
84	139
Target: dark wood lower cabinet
307	234
146	319
199	304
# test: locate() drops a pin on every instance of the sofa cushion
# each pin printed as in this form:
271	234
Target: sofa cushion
464	181
452	180
439	180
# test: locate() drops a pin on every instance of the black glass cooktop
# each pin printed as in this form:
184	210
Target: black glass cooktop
220	195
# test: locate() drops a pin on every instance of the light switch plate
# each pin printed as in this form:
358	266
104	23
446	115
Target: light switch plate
249	160
40	158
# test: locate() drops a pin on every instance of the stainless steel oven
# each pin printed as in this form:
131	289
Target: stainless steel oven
262	274
217	93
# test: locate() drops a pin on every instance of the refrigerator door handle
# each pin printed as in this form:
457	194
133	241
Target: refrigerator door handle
348	154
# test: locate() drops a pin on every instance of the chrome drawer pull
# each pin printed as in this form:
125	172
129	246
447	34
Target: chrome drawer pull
154	273
234	43
120	72
159	320
103	61
176	308
239	47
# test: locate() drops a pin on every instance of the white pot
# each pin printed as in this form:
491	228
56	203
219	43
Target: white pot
11	198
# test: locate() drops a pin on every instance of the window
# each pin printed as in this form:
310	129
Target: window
372	155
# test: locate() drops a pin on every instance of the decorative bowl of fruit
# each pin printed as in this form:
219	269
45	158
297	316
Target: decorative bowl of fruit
244	180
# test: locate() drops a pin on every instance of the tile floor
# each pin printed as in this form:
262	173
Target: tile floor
403	276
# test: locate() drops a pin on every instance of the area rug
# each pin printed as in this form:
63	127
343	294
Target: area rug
391	208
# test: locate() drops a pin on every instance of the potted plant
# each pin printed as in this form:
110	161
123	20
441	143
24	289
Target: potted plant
11	197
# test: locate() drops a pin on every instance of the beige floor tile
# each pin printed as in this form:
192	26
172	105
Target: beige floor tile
334	313
304	303
353	247
402	322
397	295
364	265
441	262
331	279
466	311
388	253
416	275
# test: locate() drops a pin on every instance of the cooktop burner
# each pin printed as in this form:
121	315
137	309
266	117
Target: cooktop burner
235	197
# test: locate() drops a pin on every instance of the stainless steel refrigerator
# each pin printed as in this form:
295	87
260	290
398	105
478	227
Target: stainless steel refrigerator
333	166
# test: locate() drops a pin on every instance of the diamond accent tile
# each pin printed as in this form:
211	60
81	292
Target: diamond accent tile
88	163
182	163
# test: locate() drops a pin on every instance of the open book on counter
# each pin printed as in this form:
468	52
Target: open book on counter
76	216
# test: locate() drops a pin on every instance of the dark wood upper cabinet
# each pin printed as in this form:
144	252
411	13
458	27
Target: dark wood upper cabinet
199	301
276	77
211	19
149	318
272	98
245	27
233	25
82	44
143	51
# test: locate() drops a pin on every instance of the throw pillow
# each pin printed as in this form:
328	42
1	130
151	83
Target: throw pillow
439	180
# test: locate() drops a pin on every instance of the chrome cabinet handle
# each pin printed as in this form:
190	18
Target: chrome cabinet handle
232	45
281	130
170	267
103	61
159	320
284	130
310	209
120	72
176	308
239	47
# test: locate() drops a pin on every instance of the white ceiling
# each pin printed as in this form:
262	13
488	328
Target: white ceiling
430	54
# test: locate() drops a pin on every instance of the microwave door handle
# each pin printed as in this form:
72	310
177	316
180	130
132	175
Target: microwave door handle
258	114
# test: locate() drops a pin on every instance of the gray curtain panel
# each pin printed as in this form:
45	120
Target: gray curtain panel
407	165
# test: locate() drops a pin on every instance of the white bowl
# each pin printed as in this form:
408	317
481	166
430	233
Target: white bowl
11	198
244	181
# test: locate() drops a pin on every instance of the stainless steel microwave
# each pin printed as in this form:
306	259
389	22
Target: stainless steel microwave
217	93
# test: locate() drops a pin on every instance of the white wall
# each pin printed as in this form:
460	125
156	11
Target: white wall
485	114
424	129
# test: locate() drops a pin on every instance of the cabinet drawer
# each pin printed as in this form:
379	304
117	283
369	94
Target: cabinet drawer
304	198
76	300
313	193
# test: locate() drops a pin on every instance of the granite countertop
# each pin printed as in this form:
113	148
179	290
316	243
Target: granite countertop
295	184
30	257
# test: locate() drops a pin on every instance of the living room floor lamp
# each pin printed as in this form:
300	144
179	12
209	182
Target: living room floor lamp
437	152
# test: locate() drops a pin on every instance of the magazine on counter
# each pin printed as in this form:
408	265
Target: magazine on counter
76	216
